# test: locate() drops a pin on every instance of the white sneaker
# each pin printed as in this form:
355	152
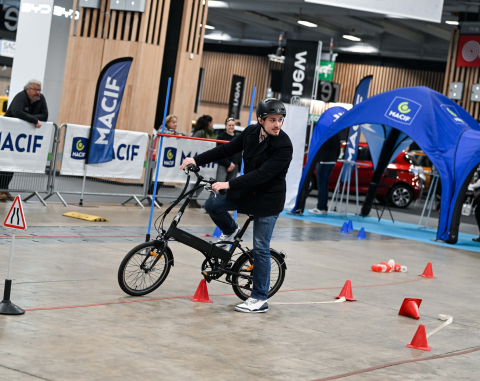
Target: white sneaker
227	238
253	306
317	211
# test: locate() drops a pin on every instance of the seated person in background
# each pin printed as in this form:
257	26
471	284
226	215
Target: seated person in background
29	105
228	168
171	123
204	128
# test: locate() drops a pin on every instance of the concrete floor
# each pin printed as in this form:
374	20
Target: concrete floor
63	262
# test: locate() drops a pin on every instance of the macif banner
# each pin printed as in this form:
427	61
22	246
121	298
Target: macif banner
299	71
235	102
108	98
354	132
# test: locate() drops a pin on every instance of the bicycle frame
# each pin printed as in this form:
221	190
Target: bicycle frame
209	250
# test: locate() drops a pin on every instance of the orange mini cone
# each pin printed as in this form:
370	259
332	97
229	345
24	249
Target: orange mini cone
347	292
201	295
410	308
419	341
428	272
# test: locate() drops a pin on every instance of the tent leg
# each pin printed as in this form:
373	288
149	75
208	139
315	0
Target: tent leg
383	160
335	192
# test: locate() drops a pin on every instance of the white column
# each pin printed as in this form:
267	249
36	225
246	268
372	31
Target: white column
33	35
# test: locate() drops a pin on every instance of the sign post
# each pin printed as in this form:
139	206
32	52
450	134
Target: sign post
15	220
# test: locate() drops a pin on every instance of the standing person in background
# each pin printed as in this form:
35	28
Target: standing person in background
203	129
228	168
476	194
329	152
29	105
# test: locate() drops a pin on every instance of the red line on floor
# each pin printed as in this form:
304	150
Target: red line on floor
397	363
186	296
73	236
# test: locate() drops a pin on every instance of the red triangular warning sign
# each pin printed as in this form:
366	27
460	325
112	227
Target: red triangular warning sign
15	217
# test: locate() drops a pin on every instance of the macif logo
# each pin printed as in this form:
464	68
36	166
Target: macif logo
79	148
169	155
452	114
403	110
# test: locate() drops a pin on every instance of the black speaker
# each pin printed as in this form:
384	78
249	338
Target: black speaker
276	83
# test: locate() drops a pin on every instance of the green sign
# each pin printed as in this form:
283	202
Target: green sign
325	71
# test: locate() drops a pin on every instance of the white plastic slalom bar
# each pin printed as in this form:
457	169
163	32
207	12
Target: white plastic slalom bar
449	320
342	299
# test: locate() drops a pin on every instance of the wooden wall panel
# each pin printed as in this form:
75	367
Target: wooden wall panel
189	58
96	39
468	75
220	67
384	79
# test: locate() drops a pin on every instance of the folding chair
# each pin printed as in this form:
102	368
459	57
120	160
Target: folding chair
386	205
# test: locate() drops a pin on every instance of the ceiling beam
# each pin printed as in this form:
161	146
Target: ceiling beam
319	29
431	29
254	19
403	32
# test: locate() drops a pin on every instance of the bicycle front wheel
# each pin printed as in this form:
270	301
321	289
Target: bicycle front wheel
136	276
243	286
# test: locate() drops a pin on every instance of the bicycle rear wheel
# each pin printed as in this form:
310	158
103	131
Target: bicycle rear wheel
136	280
243	287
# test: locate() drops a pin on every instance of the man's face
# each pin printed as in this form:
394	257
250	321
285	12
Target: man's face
272	124
33	92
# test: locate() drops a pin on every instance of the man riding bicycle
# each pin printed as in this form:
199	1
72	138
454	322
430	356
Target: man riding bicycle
267	153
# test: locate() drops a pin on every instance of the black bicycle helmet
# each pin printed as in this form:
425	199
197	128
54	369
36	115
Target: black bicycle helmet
270	106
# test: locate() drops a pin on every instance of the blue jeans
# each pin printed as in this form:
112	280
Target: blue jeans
323	175
217	208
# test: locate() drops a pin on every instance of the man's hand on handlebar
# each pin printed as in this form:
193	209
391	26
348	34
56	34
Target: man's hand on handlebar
217	187
187	161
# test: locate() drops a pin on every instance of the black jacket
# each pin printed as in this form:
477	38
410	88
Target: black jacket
21	108
262	188
330	150
235	159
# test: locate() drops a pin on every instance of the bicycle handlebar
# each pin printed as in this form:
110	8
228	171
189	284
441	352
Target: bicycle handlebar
193	168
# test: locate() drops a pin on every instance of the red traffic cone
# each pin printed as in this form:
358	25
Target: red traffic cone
347	292
428	272
410	308
419	341
201	295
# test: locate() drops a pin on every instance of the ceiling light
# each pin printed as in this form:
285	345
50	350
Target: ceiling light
452	22
217	4
306	23
207	26
360	48
218	36
351	38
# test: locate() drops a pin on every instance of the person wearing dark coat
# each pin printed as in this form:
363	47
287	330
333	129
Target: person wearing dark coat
228	168
328	153
29	105
261	191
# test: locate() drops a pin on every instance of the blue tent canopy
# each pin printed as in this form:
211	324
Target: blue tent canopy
447	134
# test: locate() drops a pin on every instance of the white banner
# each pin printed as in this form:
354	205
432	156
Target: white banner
427	10
174	151
129	149
296	128
24	148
